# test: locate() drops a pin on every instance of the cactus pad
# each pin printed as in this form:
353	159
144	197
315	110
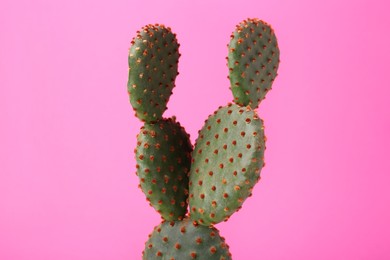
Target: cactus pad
153	62
163	156
253	61
227	161
184	240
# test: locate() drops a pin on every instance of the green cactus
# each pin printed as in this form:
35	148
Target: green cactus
253	61
153	60
226	163
182	240
163	156
218	175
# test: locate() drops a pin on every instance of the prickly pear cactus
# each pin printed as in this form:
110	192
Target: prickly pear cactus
253	61
163	156
153	59
185	240
218	175
226	163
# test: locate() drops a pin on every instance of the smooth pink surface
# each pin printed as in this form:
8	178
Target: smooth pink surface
67	134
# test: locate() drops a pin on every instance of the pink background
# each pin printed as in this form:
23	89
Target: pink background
67	133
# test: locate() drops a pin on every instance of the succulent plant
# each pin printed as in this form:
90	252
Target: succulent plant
182	240
216	176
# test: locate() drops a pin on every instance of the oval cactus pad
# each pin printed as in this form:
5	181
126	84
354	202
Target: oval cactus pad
253	61
185	240
153	62
163	156
227	161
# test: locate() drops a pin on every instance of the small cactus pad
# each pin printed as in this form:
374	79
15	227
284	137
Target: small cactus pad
227	160
185	240
253	61
153	60
163	156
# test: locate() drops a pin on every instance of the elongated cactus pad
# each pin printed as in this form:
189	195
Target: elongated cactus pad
227	161
163	156
185	240
153	60
253	61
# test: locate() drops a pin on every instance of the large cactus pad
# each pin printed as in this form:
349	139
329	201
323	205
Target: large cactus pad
184	240
253	61
227	161
153	60
163	156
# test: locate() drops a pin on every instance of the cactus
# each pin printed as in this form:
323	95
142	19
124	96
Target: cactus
218	175
253	61
153	60
182	240
163	156
226	163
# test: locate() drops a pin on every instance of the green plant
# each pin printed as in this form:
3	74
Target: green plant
216	176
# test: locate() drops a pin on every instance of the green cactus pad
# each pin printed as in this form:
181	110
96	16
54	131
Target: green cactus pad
185	240
163	156
253	61
153	60
226	163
